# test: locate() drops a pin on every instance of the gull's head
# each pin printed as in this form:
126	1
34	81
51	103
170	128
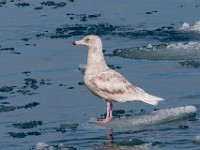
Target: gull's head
91	41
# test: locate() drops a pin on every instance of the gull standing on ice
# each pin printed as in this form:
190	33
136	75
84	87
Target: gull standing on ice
106	82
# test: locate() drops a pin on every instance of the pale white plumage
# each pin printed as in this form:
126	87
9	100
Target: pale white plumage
107	83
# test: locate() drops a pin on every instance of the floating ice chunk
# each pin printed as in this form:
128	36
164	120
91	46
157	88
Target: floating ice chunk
186	46
173	51
41	146
82	68
149	46
51	148
156	117
92	120
61	146
186	27
44	146
196	26
197	139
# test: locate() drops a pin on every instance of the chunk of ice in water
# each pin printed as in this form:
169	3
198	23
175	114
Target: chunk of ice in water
41	146
186	27
196	26
174	51
149	46
92	120
44	146
197	139
82	68
188	46
156	117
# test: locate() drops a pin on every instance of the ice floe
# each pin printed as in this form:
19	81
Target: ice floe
44	146
185	46
154	118
186	27
173	51
41	146
196	139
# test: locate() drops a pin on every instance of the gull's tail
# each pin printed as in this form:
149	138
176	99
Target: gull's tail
150	99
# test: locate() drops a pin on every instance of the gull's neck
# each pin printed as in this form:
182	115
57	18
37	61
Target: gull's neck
95	60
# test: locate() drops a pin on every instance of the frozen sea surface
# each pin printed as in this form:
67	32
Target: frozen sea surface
44	104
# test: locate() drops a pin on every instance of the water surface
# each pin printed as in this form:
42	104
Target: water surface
42	99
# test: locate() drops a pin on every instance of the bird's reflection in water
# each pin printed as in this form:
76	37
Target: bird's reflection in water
109	136
113	145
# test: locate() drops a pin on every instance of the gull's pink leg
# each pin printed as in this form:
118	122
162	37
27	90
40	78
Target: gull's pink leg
108	114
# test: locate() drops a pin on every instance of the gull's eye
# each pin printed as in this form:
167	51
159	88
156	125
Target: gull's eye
87	39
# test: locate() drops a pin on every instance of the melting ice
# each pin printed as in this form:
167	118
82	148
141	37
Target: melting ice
186	27
156	117
174	51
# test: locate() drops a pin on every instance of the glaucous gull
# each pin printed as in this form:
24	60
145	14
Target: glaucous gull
106	82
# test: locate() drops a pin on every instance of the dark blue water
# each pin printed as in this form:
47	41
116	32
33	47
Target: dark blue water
43	102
